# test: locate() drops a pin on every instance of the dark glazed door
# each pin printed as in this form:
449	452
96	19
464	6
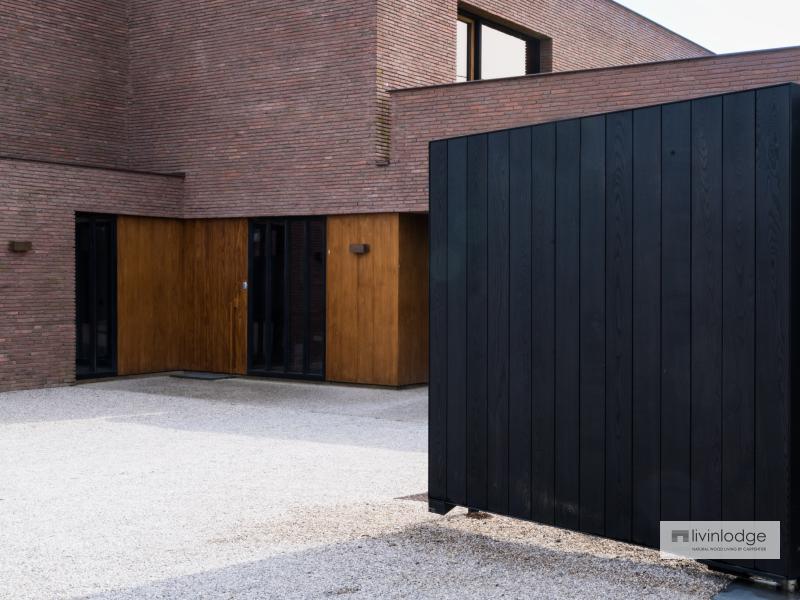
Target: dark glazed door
287	298
96	295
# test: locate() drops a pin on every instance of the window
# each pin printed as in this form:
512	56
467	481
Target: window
488	50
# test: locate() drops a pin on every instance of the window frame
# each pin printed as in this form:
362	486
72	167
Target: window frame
474	23
472	28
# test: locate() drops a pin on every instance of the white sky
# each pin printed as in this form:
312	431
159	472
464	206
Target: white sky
727	25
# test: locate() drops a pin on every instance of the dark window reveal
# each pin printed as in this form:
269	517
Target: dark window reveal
95	295
487	50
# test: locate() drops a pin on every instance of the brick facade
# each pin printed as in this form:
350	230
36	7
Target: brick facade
38	203
265	105
63	80
282	108
268	107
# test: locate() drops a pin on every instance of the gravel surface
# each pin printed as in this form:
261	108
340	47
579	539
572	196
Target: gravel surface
172	488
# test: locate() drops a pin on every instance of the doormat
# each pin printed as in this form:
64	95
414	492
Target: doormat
201	375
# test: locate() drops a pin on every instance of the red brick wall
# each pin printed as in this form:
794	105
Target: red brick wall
63	75
267	106
37	289
425	114
270	107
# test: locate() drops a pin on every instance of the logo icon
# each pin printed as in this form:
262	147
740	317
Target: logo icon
680	535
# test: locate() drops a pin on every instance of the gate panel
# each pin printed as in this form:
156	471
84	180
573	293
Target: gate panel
611	335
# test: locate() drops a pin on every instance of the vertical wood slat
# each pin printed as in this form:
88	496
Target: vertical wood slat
477	315
646	366
378	318
456	321
437	388
543	169
567	465
773	247
520	297
342	335
706	309
498	323
593	325
619	313
676	312
738	309
793	530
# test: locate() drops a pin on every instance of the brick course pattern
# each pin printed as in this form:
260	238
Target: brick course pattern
37	289
425	114
268	107
63	80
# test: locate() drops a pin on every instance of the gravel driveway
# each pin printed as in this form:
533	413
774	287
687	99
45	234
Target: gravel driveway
171	488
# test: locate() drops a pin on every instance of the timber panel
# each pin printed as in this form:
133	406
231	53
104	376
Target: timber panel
180	300
216	305
413	306
377	318
150	295
659	312
362	300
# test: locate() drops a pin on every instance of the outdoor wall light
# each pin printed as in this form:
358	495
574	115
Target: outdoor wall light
20	246
359	248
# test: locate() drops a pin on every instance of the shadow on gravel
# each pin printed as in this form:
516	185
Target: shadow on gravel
101	399
326	414
432	561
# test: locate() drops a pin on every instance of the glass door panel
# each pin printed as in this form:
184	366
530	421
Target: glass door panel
286	297
95	295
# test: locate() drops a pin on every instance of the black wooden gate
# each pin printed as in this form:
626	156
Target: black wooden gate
611	326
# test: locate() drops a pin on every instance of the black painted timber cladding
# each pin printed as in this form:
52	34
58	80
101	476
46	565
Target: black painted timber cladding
612	332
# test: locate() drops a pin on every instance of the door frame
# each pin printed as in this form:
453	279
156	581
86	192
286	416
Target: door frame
285	374
93	218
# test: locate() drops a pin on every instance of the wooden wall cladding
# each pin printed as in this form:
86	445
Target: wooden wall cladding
150	295
361	295
612	327
413	299
215	254
180	298
367	302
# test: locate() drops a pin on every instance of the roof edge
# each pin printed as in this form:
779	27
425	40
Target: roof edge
596	69
791	84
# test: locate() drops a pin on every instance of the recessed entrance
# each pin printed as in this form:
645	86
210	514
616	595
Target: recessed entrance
286	303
